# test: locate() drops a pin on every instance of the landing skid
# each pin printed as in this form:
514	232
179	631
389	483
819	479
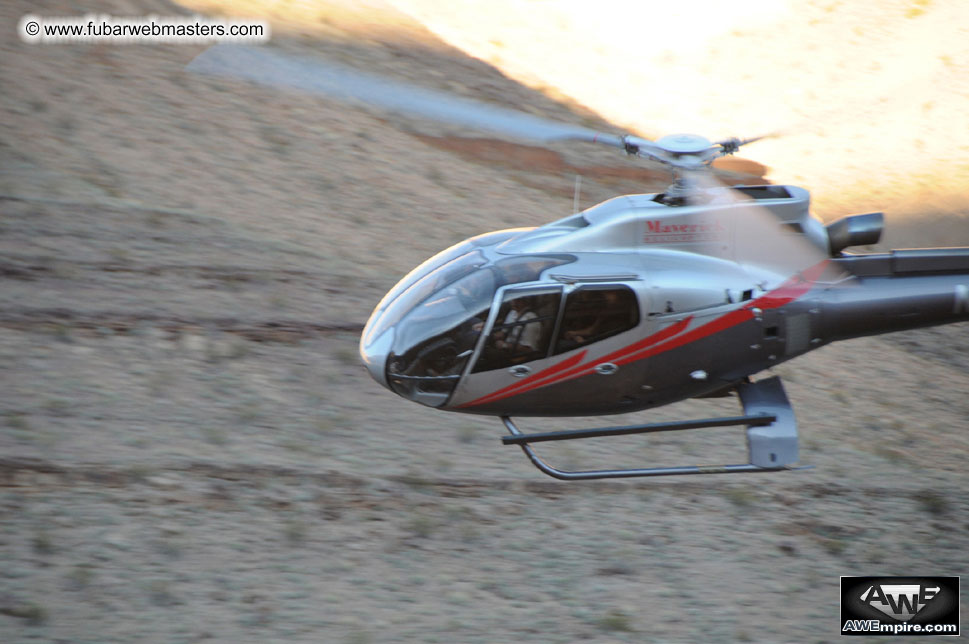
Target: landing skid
771	437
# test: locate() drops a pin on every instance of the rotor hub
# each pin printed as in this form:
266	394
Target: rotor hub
683	144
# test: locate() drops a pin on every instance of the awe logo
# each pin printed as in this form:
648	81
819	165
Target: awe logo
900	601
893	606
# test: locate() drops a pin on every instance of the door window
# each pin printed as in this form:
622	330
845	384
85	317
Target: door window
522	330
594	313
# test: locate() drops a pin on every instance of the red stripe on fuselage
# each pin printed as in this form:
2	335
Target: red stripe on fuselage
555	374
723	322
541	375
791	289
787	292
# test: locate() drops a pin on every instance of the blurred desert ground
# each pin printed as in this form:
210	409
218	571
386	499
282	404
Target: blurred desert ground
191	450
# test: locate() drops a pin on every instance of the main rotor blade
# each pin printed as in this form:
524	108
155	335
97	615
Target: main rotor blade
276	69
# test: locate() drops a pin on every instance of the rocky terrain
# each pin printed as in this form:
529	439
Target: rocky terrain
190	449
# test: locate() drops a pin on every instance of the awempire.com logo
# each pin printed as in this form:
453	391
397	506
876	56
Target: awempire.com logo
900	606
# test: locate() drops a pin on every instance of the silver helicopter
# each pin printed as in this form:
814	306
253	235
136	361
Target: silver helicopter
640	301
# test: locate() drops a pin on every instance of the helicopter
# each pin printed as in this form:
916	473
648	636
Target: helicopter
635	303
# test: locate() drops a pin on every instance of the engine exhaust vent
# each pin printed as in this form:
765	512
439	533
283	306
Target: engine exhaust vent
855	230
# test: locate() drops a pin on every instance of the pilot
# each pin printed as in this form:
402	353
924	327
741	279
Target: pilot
450	357
466	335
521	338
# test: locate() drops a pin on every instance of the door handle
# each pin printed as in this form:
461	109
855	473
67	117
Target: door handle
520	371
606	368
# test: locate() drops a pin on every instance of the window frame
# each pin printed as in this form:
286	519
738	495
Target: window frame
597	286
502	296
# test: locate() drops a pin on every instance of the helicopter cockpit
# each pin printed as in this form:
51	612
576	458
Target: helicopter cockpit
420	339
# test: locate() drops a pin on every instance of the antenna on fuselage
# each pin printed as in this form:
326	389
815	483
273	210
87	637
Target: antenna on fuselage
575	195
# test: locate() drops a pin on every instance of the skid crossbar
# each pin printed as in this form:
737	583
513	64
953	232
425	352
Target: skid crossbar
771	437
572	434
522	439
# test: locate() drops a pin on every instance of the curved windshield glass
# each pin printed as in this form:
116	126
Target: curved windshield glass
467	297
437	261
445	312
433	344
421	289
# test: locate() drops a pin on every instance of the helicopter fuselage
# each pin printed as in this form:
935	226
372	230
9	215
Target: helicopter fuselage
636	303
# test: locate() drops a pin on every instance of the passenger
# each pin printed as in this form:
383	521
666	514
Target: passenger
605	320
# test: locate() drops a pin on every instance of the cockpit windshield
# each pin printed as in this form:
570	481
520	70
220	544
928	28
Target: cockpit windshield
466	299
439	319
422	288
379	323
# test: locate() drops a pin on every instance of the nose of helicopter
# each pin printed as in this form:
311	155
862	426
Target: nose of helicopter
374	355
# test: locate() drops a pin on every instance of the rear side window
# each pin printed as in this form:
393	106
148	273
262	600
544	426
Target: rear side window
594	313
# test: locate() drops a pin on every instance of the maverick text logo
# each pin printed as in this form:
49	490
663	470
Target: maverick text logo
900	605
660	232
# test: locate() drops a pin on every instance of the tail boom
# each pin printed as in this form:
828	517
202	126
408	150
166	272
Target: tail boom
903	289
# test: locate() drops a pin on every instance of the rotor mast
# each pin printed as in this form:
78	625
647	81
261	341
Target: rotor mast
685	155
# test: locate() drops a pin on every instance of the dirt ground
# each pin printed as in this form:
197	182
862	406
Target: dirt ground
190	449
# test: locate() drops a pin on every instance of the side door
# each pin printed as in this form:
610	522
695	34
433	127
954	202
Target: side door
517	343
533	331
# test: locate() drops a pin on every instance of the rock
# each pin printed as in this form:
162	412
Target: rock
162	482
